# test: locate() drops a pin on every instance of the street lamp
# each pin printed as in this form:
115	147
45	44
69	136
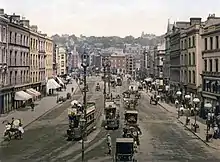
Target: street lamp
196	101
207	106
179	93
82	123
84	65
187	98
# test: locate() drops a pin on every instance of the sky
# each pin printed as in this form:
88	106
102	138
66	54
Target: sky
108	17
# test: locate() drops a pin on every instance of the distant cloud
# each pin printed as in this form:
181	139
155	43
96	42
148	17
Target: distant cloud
108	17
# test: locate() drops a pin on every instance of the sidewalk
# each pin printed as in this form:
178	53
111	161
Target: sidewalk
201	134
42	107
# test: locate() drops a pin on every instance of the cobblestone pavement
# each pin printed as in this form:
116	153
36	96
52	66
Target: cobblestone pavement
44	140
164	139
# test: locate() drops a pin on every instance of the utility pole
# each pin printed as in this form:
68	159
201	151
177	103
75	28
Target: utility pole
109	77
84	130
104	92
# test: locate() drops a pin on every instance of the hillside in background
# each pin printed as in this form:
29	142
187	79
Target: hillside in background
105	42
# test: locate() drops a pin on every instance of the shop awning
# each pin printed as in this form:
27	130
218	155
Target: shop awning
31	93
22	96
52	84
60	81
35	91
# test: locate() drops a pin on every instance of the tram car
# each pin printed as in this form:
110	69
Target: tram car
131	129
74	131
124	150
112	117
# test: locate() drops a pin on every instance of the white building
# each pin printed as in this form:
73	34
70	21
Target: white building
62	61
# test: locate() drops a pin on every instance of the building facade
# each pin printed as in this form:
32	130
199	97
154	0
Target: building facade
55	57
48	57
3	49
34	58
159	51
62	61
118	63
130	64
211	58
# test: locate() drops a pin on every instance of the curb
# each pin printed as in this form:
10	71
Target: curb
48	111
201	139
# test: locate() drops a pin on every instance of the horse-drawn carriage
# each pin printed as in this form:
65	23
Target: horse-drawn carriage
131	129
124	150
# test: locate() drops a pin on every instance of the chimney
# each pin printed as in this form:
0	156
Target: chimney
1	11
15	17
34	28
195	20
25	23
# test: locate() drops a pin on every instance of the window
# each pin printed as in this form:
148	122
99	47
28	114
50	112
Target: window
205	65
62	63
210	65
10	35
189	76
15	38
10	77
194	77
189	59
194	58
185	59
21	40
16	77
193	41
15	58
21	76
62	56
181	44
206	44
189	42
216	65
32	44
216	42
185	44
21	57
211	43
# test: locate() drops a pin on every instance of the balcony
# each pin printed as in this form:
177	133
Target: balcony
211	74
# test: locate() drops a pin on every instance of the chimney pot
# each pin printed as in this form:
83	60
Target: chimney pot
1	11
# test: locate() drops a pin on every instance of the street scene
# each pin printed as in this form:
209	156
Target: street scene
116	81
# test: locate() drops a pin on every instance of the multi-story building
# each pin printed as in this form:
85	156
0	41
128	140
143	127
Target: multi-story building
55	55
118	63
62	60
3	49
17	61
150	62
130	64
191	58
175	54
166	65
159	56
133	48
48	57
211	61
4	104
34	57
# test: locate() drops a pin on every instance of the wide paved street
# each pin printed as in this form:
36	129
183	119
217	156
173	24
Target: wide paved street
163	139
45	140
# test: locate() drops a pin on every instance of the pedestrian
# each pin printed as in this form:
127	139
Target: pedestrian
72	89
109	143
32	106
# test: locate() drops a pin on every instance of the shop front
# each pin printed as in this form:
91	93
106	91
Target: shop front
6	98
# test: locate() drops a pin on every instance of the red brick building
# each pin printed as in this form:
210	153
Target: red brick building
118	63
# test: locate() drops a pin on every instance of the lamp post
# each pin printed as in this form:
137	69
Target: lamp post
104	91
179	93
187	98
196	101
207	106
82	123
84	133
108	64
